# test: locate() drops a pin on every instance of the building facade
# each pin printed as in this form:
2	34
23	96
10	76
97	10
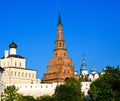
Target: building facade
60	66
1	82
15	71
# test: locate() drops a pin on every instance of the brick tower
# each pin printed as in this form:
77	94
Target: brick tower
60	67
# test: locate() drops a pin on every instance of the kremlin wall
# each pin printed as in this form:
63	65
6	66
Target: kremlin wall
60	68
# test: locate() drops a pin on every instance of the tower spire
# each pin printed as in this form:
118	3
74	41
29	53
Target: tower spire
83	60
60	47
59	19
59	25
93	68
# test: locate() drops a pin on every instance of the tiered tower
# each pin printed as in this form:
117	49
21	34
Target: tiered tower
60	67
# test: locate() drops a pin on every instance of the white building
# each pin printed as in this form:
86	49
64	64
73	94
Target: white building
15	71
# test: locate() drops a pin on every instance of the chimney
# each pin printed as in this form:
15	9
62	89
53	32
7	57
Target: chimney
6	53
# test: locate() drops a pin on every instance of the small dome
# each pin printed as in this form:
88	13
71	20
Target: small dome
13	45
93	69
84	67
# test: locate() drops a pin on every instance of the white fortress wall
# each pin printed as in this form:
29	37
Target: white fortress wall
36	89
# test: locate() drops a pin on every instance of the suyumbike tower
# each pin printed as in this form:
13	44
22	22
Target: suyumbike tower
60	66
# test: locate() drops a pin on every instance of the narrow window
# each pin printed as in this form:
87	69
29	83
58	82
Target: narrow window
19	74
20	64
64	54
15	64
26	75
33	76
15	73
60	44
63	44
22	74
12	73
56	54
30	75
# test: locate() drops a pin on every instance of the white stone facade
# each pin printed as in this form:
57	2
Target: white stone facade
93	76
15	71
9	61
36	90
1	82
84	72
85	86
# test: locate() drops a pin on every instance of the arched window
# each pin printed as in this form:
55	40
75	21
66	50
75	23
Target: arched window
11	73
26	75
33	76
15	73
20	64
19	74
15	64
30	75
22	74
59	44
64	54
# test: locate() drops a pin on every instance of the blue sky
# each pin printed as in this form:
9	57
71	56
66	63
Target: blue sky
91	27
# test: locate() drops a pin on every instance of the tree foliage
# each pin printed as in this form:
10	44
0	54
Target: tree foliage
70	91
45	98
28	98
106	88
10	93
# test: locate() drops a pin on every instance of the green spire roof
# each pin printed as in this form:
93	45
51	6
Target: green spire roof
59	19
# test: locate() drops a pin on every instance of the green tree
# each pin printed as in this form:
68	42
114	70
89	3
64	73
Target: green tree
106	88
28	98
10	93
45	98
70	91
